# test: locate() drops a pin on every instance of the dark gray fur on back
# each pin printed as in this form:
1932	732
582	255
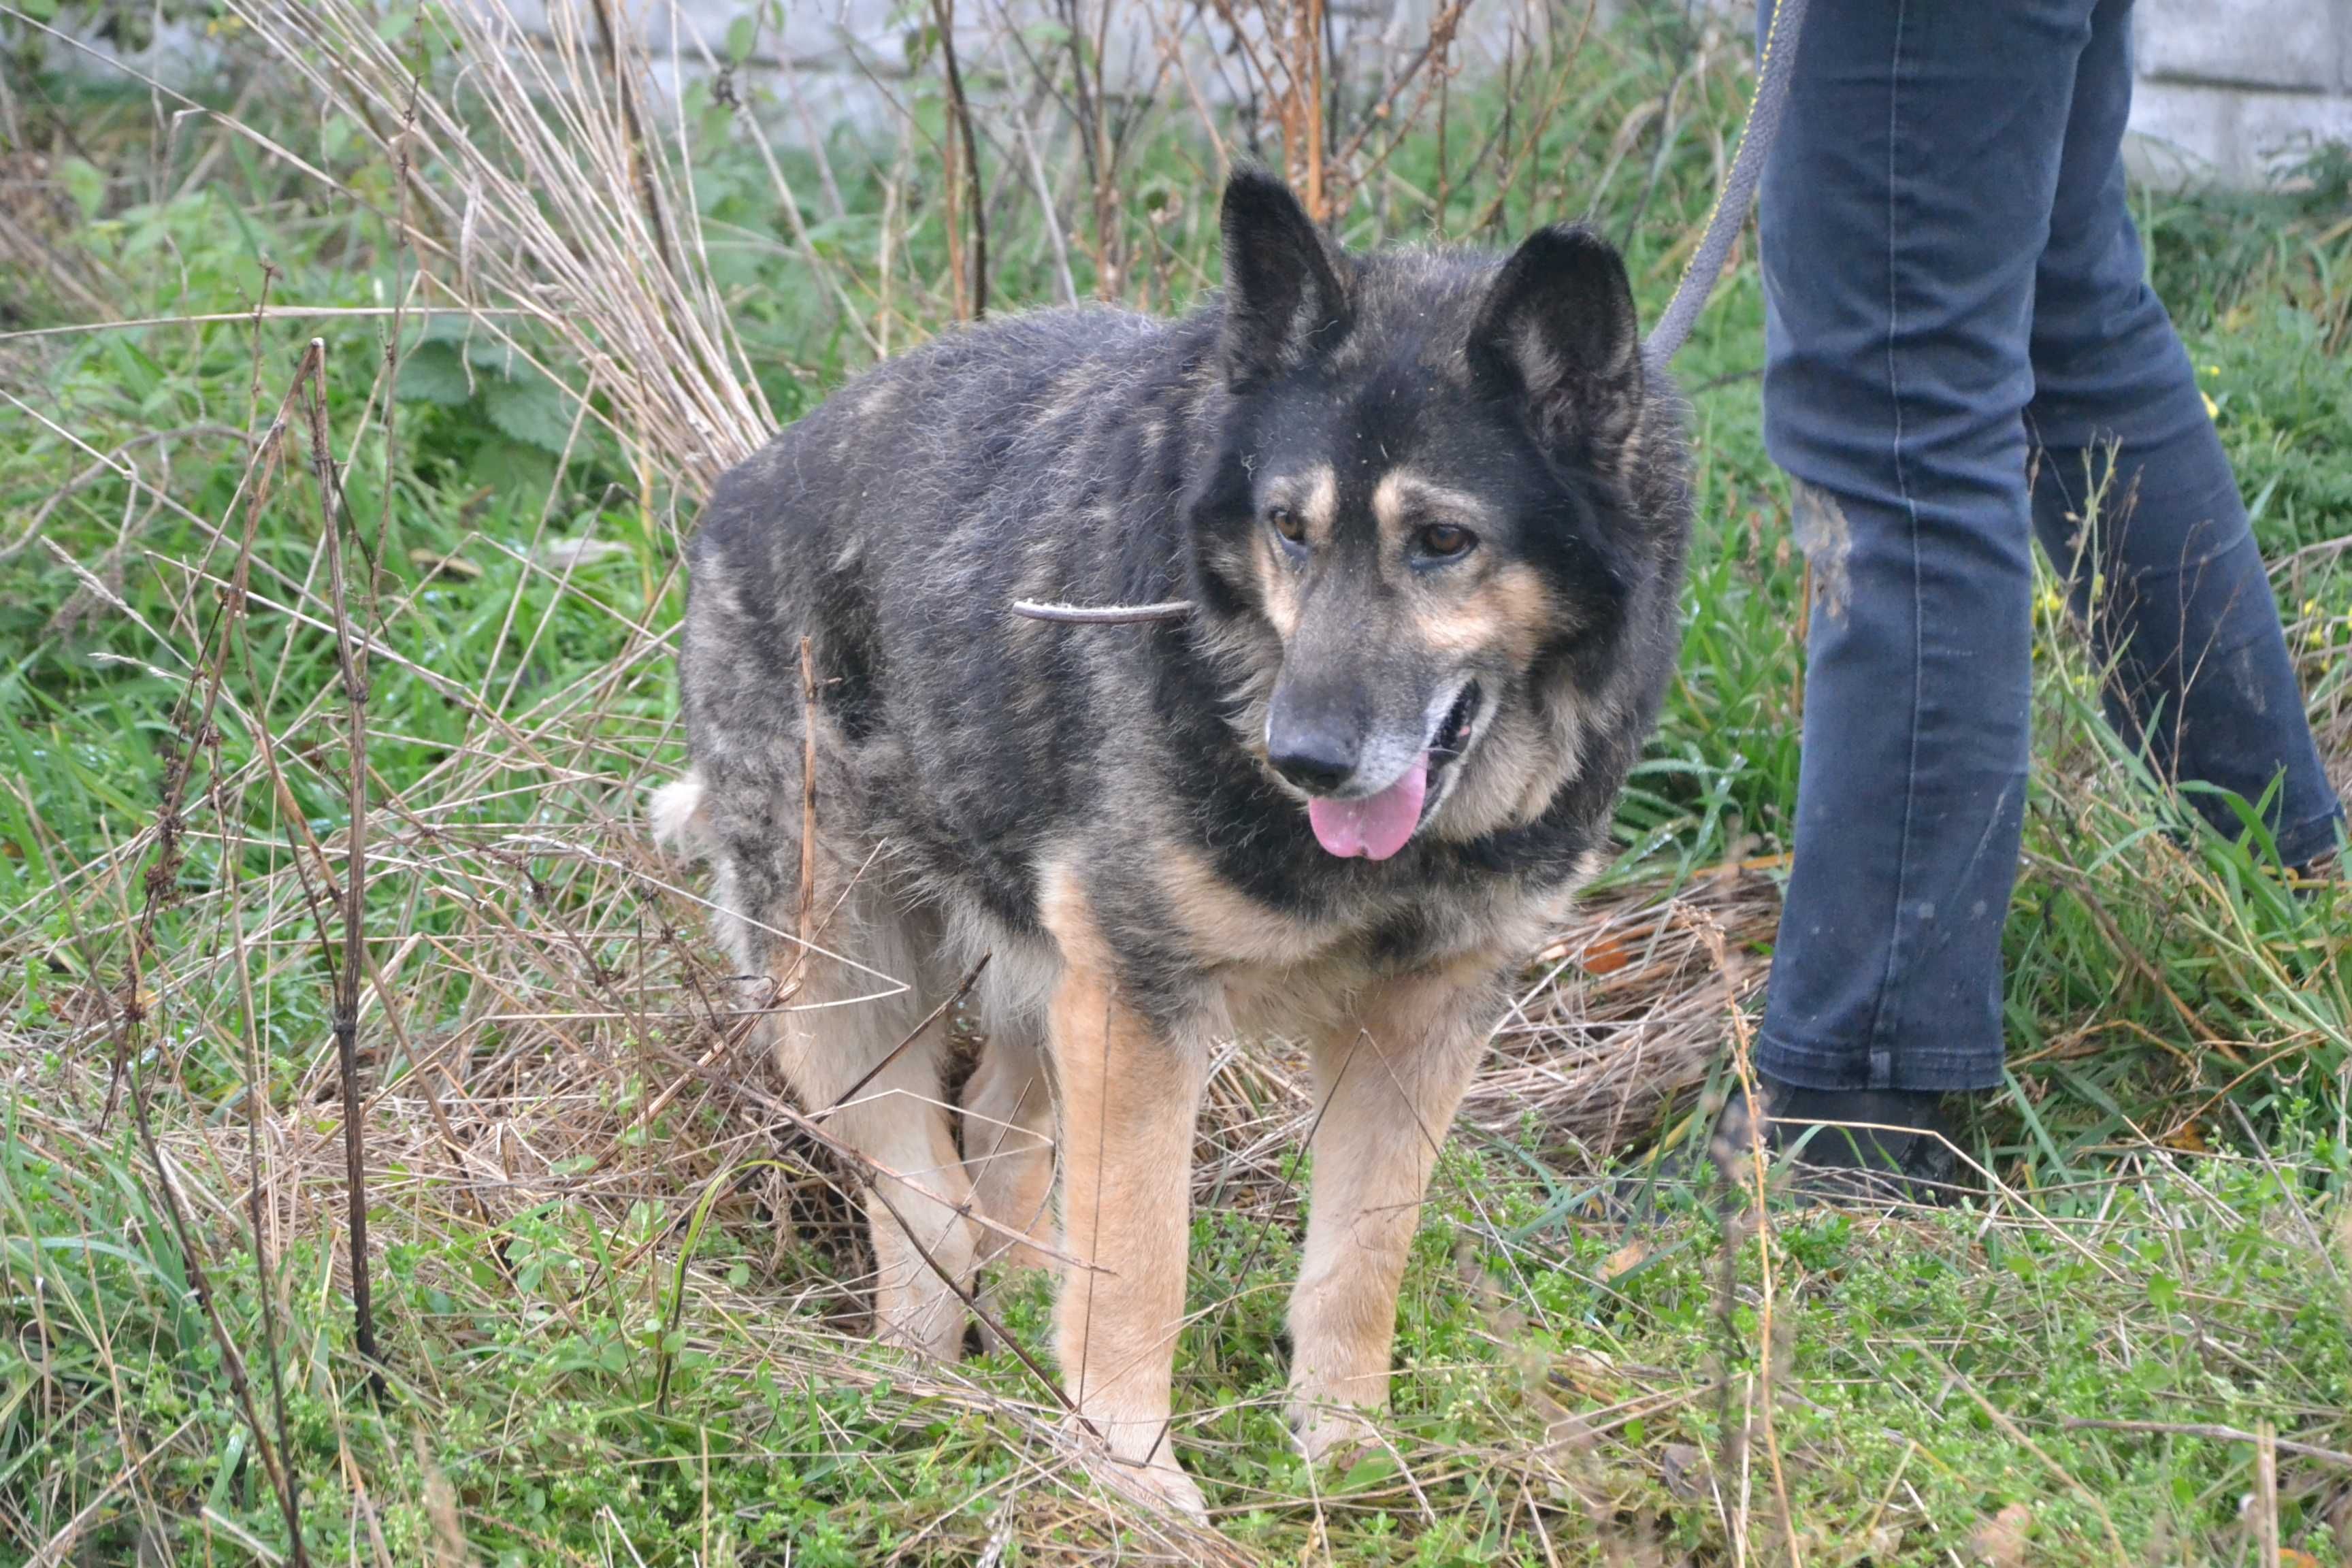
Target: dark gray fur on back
1091	456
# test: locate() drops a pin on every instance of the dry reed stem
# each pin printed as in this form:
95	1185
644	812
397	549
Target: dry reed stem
2266	1501
343	973
1758	1170
2218	1433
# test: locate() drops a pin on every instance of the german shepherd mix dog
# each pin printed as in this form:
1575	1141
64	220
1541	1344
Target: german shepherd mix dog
1431	515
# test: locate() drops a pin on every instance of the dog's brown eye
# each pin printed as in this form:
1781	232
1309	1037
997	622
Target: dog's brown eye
1444	540
1285	523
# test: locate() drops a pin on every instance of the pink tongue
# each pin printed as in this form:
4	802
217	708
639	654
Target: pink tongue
1376	826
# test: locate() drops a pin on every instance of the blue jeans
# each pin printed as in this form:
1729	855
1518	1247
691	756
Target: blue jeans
1960	345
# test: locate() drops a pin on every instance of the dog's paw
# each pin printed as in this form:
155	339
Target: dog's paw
1161	1484
926	1323
1331	1434
1158	1483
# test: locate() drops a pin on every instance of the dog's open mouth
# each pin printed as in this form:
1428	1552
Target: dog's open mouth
1454	734
1379	825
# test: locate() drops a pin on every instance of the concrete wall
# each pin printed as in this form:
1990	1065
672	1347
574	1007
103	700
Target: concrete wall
2239	91
843	53
2234	90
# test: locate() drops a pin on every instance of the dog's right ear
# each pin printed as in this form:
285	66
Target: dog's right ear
1284	297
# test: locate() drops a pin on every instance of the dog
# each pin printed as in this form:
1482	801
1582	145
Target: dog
1430	514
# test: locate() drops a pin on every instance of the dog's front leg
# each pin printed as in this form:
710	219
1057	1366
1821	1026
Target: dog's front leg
1386	1089
1131	1097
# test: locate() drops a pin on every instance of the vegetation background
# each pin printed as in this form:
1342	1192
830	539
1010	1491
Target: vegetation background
355	403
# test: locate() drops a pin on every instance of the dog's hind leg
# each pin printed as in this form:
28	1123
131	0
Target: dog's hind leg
1008	1146
917	1195
1386	1089
844	1006
1008	1153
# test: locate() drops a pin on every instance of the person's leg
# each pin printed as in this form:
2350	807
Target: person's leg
2134	499
1904	212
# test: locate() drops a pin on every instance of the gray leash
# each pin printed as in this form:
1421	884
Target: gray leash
1723	224
1682	312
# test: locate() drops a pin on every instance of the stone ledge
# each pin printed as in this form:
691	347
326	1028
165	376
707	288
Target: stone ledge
2189	132
2295	44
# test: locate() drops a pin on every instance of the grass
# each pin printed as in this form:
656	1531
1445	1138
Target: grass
617	1289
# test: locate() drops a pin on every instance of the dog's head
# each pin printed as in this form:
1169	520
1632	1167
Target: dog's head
1419	511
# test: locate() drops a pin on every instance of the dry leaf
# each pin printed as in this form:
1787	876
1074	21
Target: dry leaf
1626	1259
2000	1542
563	554
1836	1547
1587	1373
2187	1138
1605	954
446	565
1683	1470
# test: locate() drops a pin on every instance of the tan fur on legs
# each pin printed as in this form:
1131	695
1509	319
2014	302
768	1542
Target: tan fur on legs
900	1121
1387	1089
1008	1148
1129	1101
922	1240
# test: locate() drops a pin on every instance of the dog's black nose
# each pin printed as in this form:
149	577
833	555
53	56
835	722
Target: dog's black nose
1316	760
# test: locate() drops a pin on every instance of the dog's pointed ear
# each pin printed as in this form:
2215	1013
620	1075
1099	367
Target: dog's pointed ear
1558	333
1283	294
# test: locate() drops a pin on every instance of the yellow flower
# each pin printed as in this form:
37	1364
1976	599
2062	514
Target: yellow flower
2212	409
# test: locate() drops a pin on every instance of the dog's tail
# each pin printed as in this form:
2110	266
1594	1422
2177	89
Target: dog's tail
677	814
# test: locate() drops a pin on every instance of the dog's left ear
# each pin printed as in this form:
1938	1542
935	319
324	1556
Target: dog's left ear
1284	296
1557	330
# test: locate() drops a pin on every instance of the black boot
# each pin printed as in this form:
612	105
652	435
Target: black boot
1868	1143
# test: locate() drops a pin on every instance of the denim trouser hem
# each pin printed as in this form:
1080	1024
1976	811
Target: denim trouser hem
2307	841
1911	1070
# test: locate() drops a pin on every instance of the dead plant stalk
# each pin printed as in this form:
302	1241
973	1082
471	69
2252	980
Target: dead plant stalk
350	659
1759	1167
